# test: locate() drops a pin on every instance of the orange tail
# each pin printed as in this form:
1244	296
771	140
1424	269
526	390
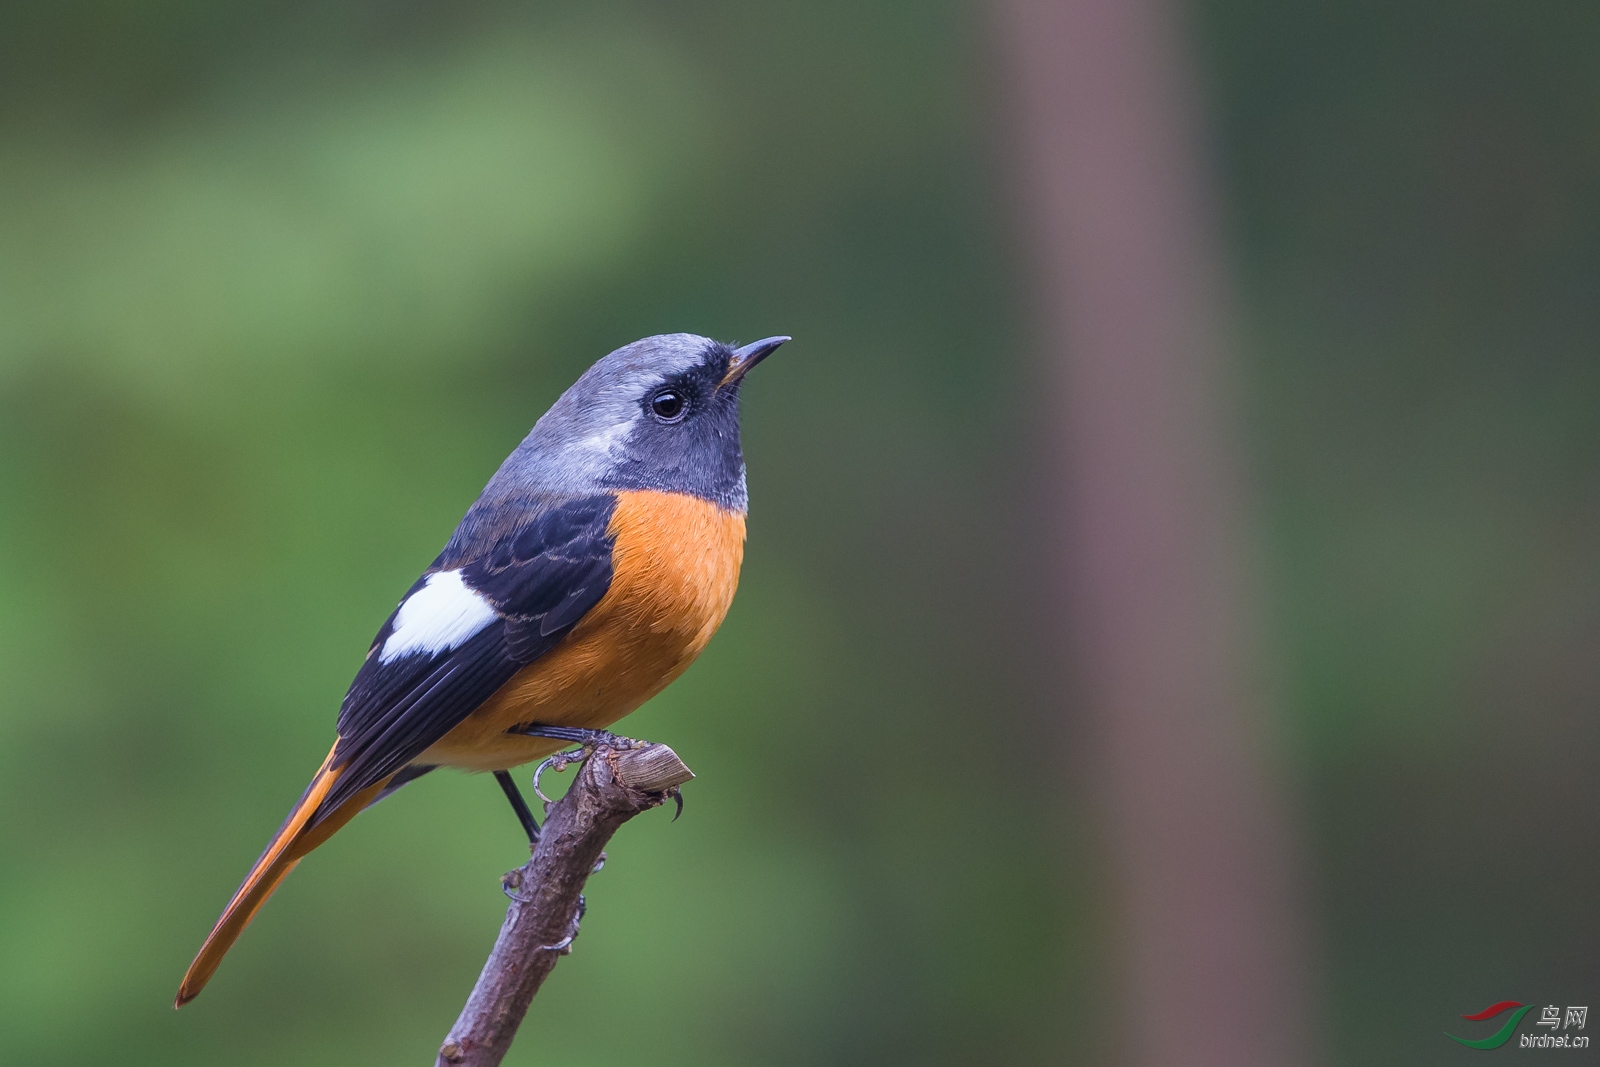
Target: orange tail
293	840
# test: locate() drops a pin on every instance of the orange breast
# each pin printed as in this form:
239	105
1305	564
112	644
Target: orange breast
674	570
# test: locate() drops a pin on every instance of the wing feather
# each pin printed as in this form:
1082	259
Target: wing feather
540	580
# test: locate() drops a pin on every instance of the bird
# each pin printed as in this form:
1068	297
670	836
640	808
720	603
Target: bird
591	571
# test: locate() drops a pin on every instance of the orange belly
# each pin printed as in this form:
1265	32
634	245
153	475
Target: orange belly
675	566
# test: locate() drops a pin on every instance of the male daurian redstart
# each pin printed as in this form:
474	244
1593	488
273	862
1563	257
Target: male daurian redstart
590	573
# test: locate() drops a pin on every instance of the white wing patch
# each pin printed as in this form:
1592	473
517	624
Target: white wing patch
436	618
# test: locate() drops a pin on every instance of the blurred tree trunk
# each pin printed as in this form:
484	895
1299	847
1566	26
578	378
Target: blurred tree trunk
1144	489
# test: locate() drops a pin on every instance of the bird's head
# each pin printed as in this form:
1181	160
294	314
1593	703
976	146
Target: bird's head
661	413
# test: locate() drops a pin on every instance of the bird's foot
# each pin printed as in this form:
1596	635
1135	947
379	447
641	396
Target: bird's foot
588	740
564	946
558	763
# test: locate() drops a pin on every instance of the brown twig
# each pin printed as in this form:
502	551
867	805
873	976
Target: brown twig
615	785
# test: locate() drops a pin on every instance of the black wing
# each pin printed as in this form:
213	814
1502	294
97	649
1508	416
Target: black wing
532	585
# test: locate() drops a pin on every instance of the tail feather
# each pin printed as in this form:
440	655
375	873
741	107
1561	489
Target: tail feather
302	831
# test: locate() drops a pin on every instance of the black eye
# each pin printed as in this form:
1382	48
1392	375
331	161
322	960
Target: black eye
668	405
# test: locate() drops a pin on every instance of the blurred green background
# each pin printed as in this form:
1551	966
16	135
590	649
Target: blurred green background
281	283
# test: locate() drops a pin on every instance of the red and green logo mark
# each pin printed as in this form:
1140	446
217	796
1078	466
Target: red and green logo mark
1500	1036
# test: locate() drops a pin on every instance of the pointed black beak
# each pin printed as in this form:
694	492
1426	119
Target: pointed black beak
748	356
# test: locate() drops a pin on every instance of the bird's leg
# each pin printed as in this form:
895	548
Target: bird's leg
576	734
525	816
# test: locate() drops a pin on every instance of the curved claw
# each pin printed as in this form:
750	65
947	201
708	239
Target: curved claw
537	771
560	946
559	762
678	796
